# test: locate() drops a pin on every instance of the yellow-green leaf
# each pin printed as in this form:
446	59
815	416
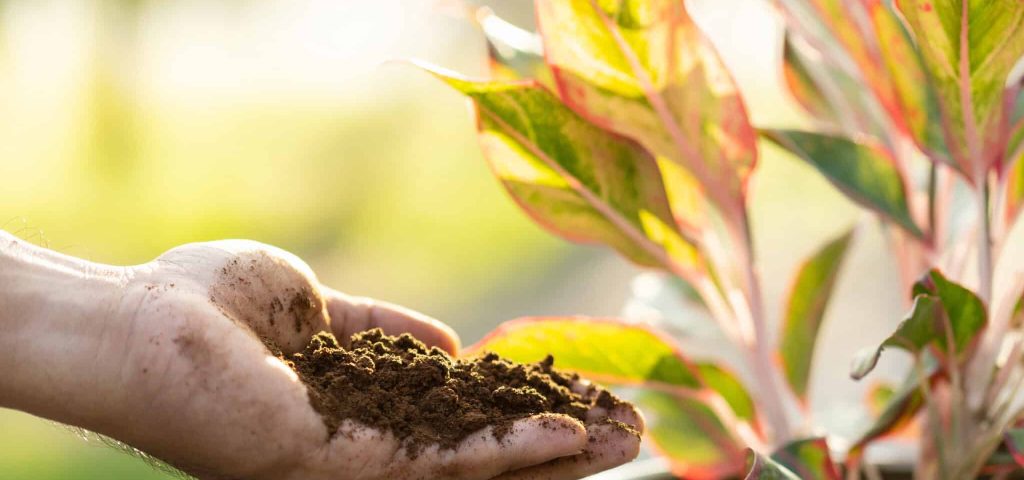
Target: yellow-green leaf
919	113
606	350
809	459
805	309
730	388
690	436
969	48
865	173
643	69
578	181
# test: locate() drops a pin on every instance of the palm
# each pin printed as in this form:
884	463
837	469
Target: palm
218	405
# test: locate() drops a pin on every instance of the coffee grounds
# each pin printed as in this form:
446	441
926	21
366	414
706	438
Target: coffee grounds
425	397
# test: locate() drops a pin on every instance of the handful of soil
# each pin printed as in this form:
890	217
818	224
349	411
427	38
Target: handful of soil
425	397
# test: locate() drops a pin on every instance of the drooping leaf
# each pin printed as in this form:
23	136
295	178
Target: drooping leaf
605	350
690	436
945	316
865	173
760	467
731	389
969	48
899	410
643	69
964	310
919	112
919	329
801	83
809	459
808	299
1014	440
575	179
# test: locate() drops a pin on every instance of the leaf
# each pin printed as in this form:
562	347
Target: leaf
900	409
808	299
574	179
690	436
969	48
809	459
760	467
1014	198
918	330
513	53
919	112
681	420
605	350
842	19
732	390
644	70
945	316
1014	440
798	77
864	173
878	397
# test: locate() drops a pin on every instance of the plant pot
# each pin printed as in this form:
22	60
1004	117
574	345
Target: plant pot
657	469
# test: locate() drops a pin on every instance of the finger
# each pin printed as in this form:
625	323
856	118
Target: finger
531	441
350	315
609	445
606	405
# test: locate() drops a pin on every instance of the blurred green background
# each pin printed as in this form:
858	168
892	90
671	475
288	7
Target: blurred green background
129	127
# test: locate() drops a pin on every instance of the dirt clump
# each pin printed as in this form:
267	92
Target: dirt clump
425	397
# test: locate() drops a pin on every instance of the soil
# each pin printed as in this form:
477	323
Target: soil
425	397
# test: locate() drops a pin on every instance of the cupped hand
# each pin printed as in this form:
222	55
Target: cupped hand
202	392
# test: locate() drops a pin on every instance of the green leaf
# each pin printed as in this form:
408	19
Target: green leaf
918	330
963	309
760	467
644	70
864	173
575	179
969	47
731	389
808	299
605	350
690	436
1014	439
945	316
900	408
809	459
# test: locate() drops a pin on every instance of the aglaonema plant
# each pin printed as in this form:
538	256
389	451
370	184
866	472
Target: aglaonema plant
619	124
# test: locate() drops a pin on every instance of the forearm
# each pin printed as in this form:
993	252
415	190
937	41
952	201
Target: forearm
54	312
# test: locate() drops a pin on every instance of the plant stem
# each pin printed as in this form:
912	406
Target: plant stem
759	353
984	246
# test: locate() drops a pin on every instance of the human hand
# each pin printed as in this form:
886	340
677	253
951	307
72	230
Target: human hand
188	380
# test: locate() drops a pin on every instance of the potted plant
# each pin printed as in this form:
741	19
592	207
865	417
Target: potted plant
620	125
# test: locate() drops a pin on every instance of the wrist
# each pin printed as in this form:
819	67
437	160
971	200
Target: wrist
55	313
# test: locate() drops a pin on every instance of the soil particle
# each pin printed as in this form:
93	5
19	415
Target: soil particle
425	397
